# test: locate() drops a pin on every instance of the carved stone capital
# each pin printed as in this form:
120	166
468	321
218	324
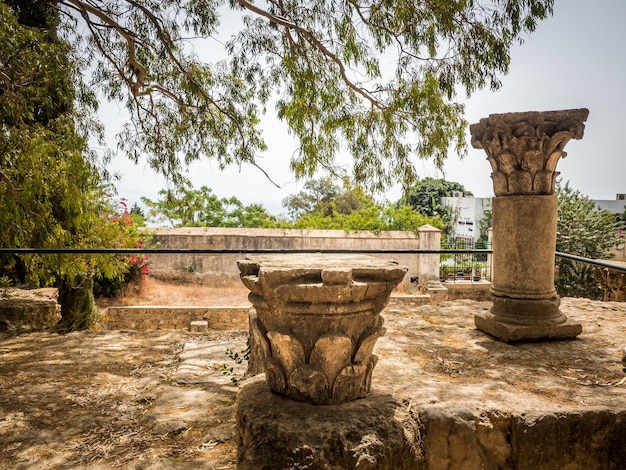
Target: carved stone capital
524	148
318	319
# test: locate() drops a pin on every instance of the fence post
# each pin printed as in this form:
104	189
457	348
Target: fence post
490	256
429	276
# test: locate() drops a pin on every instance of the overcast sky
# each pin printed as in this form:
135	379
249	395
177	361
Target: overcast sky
575	59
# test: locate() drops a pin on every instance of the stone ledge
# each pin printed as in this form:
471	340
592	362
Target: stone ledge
448	396
383	433
279	433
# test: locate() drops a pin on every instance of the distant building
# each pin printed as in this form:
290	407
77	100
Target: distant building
617	206
470	211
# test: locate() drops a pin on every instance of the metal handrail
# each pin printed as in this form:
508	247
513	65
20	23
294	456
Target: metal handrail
130	251
595	262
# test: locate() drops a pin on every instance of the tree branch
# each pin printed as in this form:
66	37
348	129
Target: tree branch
16	193
312	39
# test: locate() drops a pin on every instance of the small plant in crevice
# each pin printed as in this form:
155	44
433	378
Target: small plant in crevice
238	357
190	267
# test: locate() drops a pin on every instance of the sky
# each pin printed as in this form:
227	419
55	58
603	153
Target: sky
575	59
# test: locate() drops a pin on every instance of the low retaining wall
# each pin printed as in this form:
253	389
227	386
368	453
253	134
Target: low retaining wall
173	318
220	270
28	310
480	291
148	317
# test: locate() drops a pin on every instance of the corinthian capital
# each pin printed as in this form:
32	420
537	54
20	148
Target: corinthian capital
524	148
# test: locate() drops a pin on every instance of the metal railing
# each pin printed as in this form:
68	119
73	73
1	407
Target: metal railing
594	262
478	252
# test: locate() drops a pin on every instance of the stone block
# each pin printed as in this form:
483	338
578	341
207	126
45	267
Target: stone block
199	326
487	322
279	433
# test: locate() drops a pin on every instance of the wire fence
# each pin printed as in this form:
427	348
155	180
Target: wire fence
471	263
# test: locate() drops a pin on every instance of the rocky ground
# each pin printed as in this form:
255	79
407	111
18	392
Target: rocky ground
165	399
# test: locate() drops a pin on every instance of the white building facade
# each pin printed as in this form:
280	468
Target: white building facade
471	210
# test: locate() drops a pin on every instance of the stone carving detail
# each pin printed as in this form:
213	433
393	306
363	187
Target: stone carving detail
524	148
612	282
318	319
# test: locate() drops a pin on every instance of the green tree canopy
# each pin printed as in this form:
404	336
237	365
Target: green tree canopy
324	196
51	193
374	218
425	195
378	80
584	230
188	207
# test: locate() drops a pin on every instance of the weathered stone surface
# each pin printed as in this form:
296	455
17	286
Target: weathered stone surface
154	317
209	363
317	319
524	148
454	398
28	310
220	270
276	432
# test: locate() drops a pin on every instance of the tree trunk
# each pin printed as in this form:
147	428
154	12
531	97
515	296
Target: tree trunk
78	306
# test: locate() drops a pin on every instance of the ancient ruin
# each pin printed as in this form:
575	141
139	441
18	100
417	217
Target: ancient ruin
318	318
612	282
523	150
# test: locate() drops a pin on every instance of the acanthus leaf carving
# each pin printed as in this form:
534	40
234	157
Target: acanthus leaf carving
523	147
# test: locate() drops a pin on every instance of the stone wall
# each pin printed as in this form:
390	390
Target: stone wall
28	310
173	318
220	270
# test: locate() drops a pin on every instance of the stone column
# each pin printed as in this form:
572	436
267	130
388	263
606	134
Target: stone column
523	150
429	264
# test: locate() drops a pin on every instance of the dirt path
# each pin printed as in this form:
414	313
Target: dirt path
156	400
117	399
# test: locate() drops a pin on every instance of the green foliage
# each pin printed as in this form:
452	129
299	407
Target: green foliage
324	196
621	219
484	224
323	204
378	80
52	192
374	218
584	230
238	357
129	270
188	207
425	197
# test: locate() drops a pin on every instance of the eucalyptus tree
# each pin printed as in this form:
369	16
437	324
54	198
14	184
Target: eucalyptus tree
378	79
189	207
51	193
